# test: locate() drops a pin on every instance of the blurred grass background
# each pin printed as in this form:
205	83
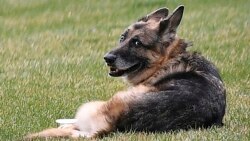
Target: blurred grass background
51	59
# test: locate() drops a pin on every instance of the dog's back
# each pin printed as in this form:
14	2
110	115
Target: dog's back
189	94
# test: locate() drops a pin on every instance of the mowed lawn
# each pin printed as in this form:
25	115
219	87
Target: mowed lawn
51	59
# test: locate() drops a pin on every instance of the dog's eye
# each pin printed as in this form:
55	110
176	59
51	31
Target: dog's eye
122	38
136	42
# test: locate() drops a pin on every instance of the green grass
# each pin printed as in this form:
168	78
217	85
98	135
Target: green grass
51	59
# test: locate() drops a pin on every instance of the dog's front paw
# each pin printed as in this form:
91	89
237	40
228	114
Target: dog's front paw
65	126
77	134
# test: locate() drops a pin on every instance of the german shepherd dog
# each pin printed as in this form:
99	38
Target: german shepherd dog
170	88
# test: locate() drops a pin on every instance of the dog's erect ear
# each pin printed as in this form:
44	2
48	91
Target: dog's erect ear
170	24
156	15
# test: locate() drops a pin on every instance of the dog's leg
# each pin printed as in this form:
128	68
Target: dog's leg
92	120
97	118
69	131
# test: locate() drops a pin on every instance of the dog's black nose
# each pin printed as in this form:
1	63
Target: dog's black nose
109	58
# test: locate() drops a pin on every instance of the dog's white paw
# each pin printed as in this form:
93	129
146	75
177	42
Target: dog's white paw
65	126
77	134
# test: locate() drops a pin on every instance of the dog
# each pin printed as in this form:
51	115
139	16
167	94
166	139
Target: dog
170	89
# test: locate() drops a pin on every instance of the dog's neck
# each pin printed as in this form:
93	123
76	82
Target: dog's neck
152	74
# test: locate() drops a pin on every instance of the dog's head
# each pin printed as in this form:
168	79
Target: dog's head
144	44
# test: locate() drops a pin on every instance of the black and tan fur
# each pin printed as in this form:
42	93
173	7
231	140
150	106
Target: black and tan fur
170	88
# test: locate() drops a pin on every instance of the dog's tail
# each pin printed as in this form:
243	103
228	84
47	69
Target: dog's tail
69	132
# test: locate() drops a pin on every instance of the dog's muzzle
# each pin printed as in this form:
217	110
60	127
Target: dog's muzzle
110	59
113	62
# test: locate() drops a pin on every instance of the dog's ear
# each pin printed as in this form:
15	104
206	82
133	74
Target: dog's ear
169	25
156	15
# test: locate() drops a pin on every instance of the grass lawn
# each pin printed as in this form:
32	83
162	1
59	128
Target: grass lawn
51	59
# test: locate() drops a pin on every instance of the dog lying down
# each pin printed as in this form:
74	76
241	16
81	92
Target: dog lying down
170	87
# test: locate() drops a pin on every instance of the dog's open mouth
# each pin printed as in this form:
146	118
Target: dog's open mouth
115	72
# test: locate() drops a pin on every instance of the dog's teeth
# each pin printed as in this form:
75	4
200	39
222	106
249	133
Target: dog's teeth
114	70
